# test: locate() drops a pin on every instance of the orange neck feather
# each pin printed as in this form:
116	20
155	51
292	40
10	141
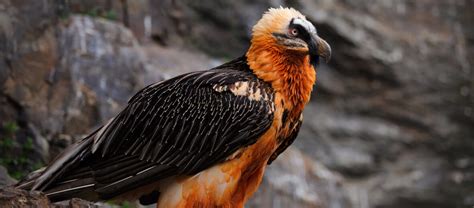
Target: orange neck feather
289	72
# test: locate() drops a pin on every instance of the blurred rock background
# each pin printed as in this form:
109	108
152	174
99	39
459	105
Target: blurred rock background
390	124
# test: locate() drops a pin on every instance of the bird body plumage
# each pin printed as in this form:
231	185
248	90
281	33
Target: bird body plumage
201	139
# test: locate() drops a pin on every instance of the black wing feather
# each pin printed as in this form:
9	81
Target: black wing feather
179	126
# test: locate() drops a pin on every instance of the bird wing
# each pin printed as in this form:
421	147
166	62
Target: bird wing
180	126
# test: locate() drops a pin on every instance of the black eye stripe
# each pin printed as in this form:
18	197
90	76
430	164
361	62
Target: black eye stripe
304	27
302	32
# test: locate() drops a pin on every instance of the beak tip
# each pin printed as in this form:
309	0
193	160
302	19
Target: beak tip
327	58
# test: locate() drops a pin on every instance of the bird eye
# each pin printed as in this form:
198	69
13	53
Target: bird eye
294	32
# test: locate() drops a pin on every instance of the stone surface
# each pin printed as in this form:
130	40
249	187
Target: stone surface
61	78
68	75
5	179
11	197
104	60
300	182
393	107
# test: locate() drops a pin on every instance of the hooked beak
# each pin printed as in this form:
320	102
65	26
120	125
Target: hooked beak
320	48
324	50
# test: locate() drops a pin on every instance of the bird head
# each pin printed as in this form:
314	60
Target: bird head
287	31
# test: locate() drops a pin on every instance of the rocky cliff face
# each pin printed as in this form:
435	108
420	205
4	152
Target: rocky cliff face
389	125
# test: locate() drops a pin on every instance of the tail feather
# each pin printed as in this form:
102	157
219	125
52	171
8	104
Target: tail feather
78	188
28	182
51	180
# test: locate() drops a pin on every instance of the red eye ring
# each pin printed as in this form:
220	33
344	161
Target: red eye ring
294	32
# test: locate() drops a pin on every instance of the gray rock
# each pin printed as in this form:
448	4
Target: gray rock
383	111
64	76
5	179
11	197
299	181
103	57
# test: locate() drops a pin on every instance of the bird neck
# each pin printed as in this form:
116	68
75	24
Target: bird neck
290	73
